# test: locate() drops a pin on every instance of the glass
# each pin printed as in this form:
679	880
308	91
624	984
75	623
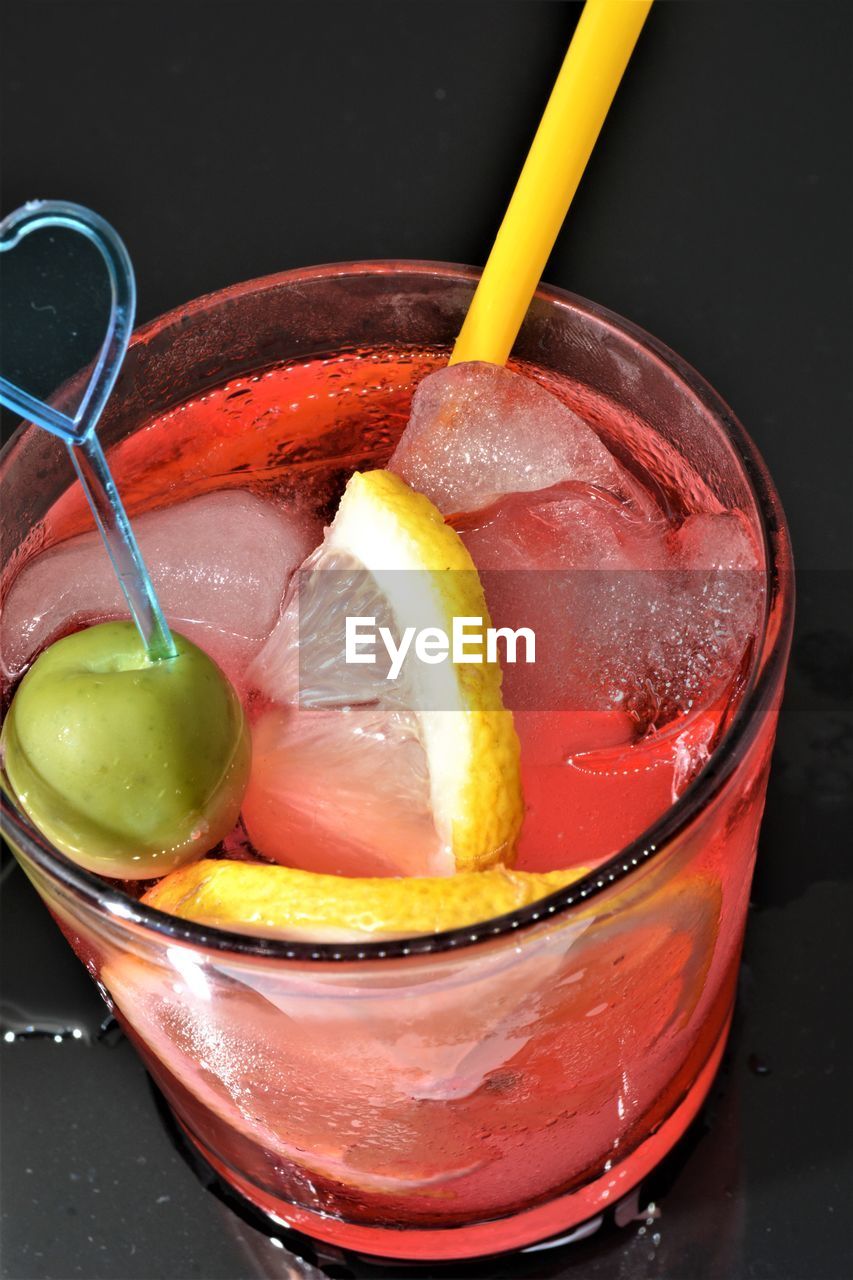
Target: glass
470	1092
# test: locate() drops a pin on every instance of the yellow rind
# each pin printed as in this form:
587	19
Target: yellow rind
258	898
473	758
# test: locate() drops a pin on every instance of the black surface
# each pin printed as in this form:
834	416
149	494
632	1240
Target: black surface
226	140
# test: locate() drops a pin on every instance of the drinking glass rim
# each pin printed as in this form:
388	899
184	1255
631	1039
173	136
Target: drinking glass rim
621	866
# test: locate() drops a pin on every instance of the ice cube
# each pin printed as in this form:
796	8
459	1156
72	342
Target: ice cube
570	525
220	564
628	613
722	542
269	1063
477	431
715	592
554	561
442	1079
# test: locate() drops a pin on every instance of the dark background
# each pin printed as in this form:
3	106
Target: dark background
227	140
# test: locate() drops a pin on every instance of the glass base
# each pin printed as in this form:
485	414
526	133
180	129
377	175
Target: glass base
561	1221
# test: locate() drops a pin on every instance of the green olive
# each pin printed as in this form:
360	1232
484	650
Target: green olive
130	767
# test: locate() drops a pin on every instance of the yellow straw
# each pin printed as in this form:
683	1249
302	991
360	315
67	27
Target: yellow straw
589	77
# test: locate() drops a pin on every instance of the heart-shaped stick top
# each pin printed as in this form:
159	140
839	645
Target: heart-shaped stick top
78	431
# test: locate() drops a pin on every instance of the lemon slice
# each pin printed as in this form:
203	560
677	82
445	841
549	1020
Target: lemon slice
422	776
260	899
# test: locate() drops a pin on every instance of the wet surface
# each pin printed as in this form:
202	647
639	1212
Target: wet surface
735	263
759	1187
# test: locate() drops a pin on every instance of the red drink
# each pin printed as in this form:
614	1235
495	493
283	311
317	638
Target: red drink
460	1094
594	776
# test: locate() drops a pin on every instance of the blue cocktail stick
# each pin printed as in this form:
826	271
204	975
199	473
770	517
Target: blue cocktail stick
78	432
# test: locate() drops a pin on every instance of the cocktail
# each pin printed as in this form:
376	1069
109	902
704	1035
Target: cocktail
412	849
459	1090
